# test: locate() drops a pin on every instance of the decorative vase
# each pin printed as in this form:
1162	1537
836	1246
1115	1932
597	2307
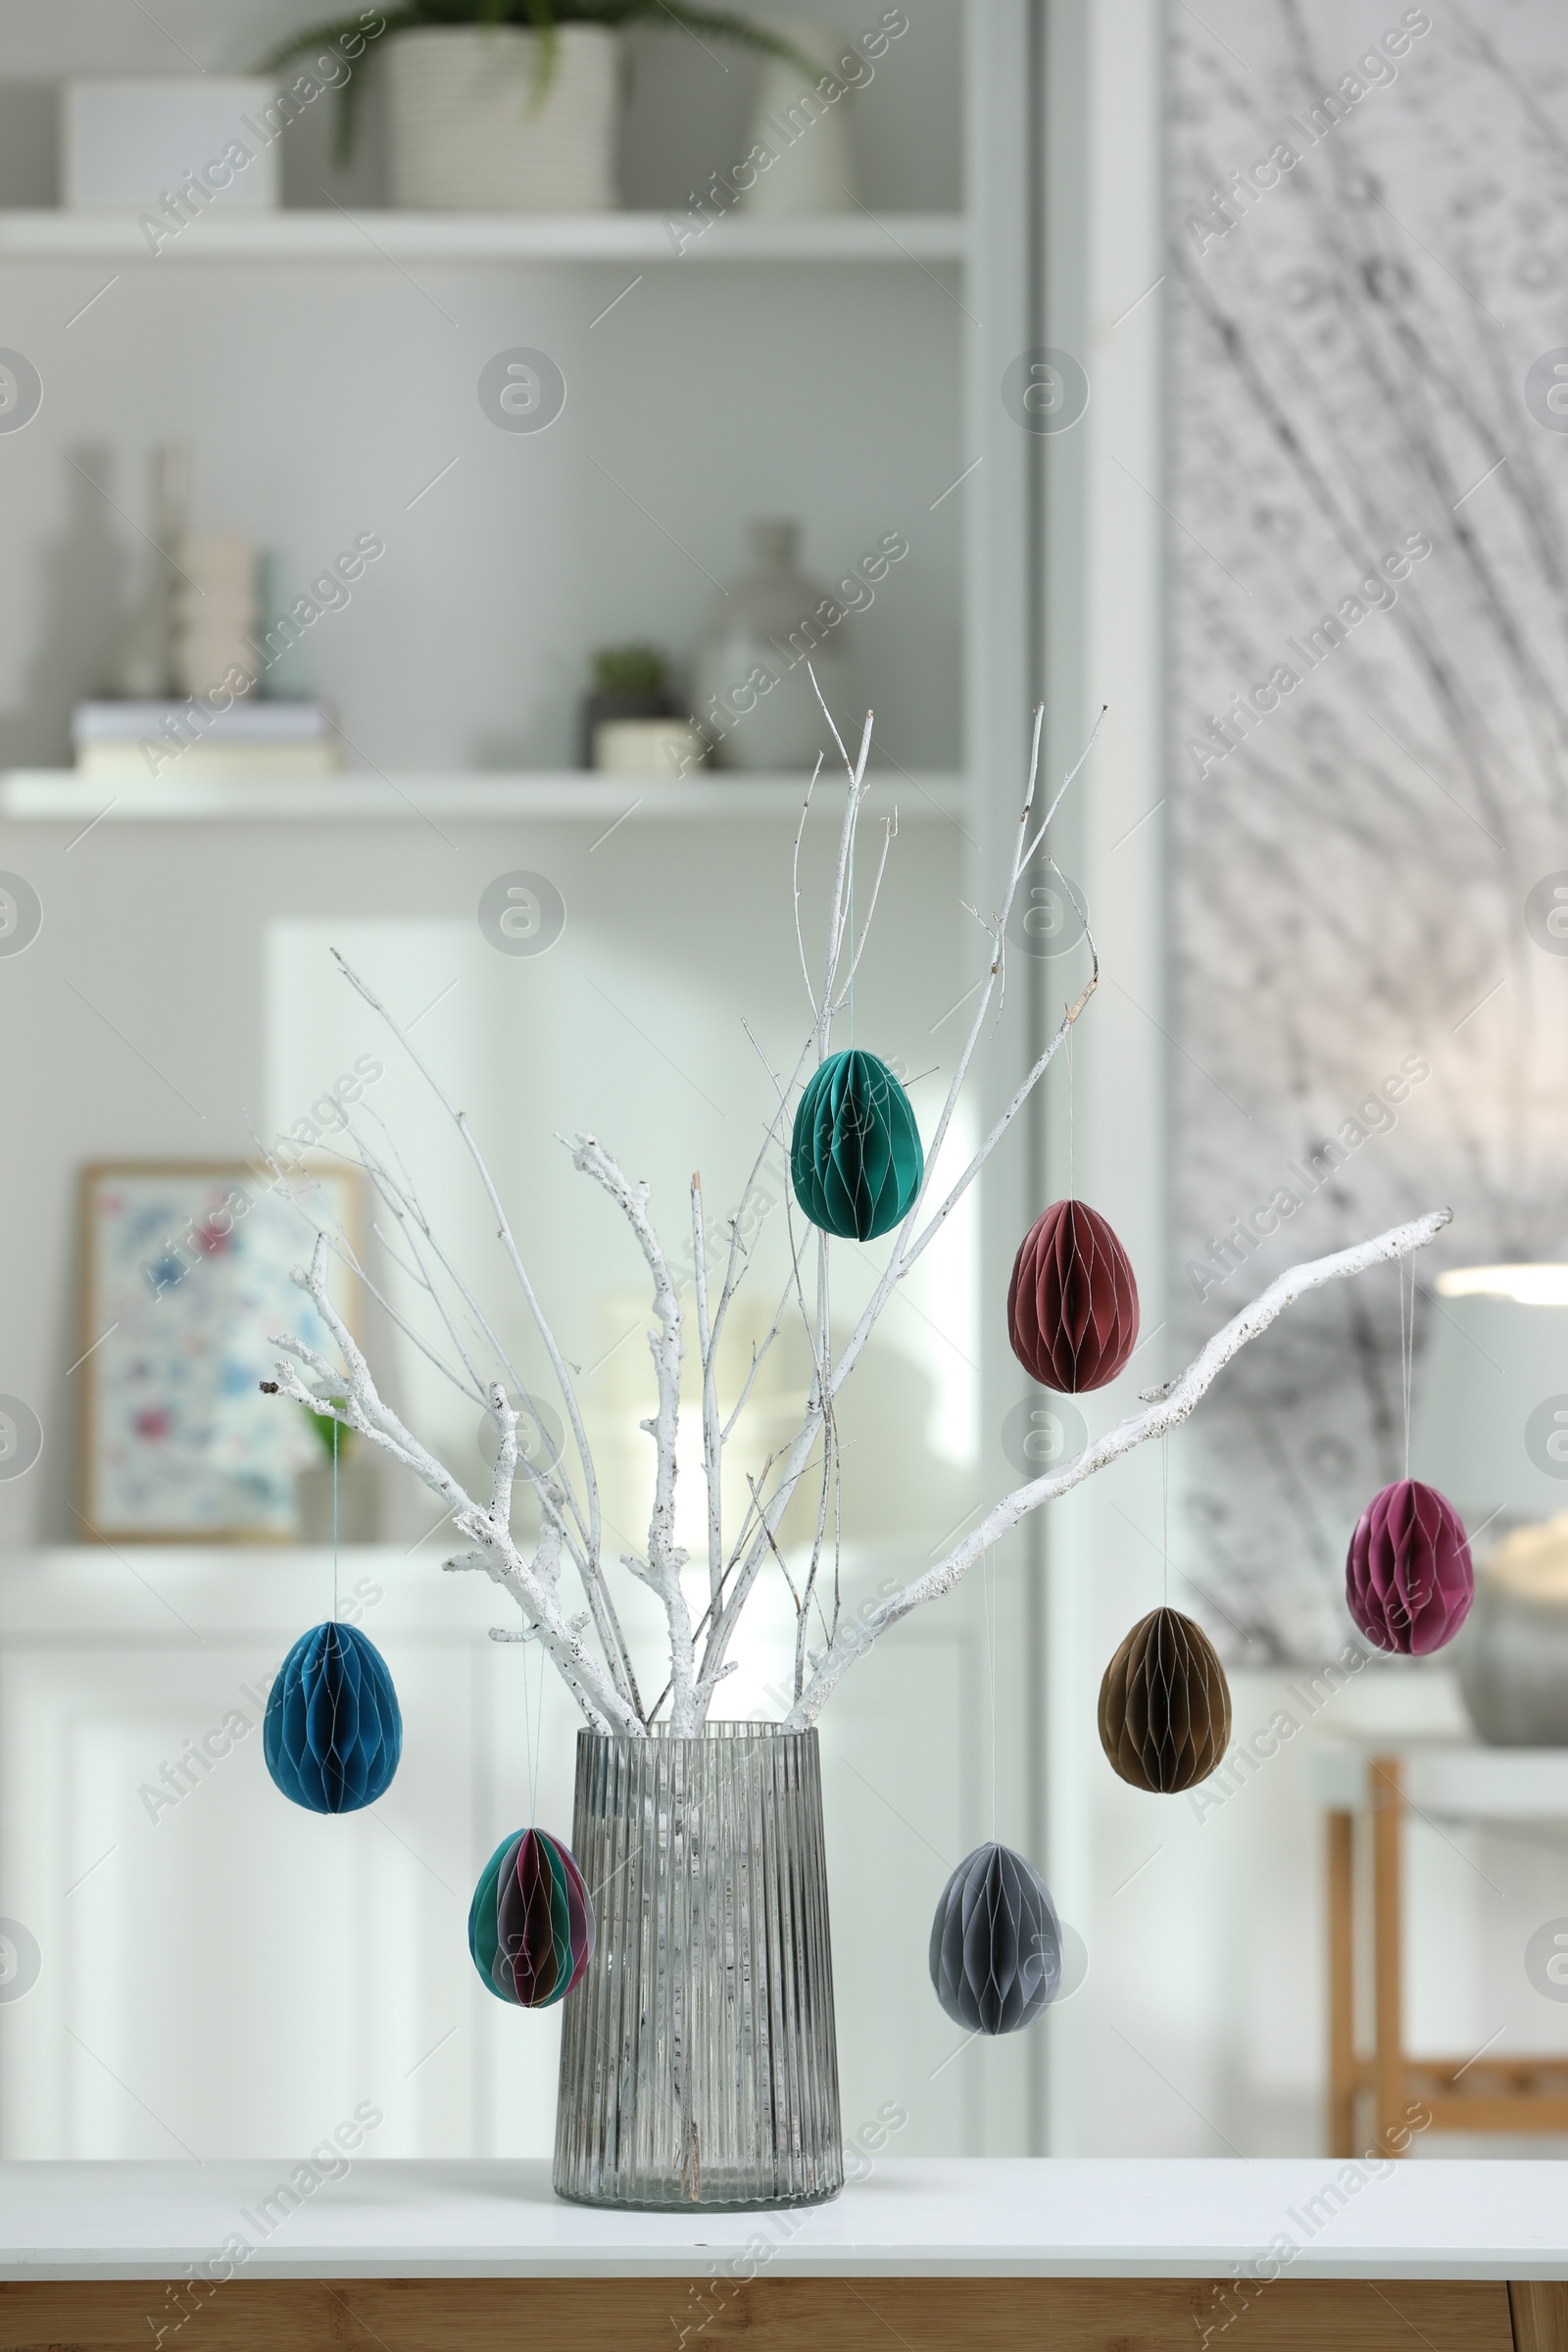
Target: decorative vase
469	133
1512	1655
140	666
213	614
699	2065
754	696
805	132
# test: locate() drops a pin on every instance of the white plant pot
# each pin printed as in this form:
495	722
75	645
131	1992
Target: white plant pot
468	135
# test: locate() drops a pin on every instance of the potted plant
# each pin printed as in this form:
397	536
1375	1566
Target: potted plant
630	681
507	106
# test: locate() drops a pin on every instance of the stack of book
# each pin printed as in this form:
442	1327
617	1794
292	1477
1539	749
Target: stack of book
123	741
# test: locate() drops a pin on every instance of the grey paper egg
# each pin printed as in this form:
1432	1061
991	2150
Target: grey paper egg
995	1944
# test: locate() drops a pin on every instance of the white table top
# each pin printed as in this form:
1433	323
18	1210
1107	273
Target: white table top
1047	2217
1453	1780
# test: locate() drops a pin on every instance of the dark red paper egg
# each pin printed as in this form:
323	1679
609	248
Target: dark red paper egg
1072	1304
1408	1578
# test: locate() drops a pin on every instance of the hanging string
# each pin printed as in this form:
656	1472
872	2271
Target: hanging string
1165	1513
334	1516
1072	1145
1406	1353
989	1580
533	1721
852	948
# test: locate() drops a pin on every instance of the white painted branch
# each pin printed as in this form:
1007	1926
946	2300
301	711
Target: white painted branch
838	906
557	1362
795	870
1023	851
759	1351
890	829
929	1232
665	1558
713	1433
504	1415
603	1686
370	1414
556	1498
1165	1414
906	1247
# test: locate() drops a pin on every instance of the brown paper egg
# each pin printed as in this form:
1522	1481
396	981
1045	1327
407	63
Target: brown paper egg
1165	1705
1072	1304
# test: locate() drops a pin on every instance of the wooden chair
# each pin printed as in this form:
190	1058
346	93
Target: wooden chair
1379	1790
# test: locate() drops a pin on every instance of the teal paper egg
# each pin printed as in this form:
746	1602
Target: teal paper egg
856	1161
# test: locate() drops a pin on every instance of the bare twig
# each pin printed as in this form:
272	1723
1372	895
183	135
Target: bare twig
604	1704
1154	1421
603	1682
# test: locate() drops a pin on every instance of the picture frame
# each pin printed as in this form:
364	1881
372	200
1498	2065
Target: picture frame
186	1274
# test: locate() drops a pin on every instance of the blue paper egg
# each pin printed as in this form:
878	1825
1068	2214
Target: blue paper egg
333	1730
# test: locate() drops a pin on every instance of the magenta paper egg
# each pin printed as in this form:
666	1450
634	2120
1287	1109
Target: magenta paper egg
1408	1578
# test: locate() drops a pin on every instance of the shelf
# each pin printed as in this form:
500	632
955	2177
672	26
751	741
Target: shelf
342	236
59	796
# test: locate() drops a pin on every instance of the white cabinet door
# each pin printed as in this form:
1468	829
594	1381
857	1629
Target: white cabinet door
222	1973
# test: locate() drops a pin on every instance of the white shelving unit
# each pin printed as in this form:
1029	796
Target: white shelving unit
344	236
844	370
58	796
910	399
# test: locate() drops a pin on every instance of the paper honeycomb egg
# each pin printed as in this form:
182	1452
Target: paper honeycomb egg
996	1942
1165	1705
1408	1577
1072	1304
856	1159
531	1923
333	1730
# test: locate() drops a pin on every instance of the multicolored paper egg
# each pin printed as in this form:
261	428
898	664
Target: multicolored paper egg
1409	1576
333	1730
856	1158
996	1942
1072	1304
531	1923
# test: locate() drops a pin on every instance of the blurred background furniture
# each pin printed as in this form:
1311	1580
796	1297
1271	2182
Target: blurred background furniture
1492	1431
1379	1787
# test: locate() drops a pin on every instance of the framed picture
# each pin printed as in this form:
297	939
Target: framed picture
186	1274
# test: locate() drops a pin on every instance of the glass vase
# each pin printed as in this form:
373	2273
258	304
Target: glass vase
699	2065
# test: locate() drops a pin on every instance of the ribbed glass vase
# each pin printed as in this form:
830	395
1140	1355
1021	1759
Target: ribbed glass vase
699	2064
